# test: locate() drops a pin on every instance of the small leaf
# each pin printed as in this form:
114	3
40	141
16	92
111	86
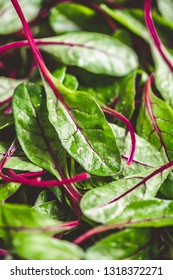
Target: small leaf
97	53
7	189
126	244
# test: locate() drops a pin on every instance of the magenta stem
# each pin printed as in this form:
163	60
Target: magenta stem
37	183
3	252
45	72
154	34
130	128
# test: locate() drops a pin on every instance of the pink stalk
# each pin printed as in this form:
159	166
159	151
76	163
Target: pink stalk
154	34
3	252
45	72
150	112
54	183
130	128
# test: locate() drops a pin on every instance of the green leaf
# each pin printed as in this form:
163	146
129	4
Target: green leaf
70	17
105	203
157	128
7	87
163	76
97	53
22	217
127	19
106	90
34	246
126	244
148	213
83	130
166	8
50	209
7	189
9	21
70	82
18	161
146	155
36	135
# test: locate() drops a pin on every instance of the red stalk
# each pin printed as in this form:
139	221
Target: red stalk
154	34
130	128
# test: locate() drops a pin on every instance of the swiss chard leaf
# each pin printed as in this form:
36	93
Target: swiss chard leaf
165	8
34	246
83	130
149	213
7	189
141	162
18	161
155	122
9	22
36	135
105	203
70	17
97	53
7	87
126	244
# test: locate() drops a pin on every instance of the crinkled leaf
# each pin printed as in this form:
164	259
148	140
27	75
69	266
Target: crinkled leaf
157	129
126	244
96	205
83	130
36	135
34	246
9	21
97	53
18	161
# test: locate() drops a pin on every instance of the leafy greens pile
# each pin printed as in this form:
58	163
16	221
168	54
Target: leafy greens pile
86	129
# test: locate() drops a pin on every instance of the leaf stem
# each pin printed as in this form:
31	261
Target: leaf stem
130	128
152	30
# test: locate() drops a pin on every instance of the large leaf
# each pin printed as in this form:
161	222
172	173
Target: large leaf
83	130
36	135
18	161
155	123
34	246
105	203
97	53
146	155
126	244
149	213
70	17
9	21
